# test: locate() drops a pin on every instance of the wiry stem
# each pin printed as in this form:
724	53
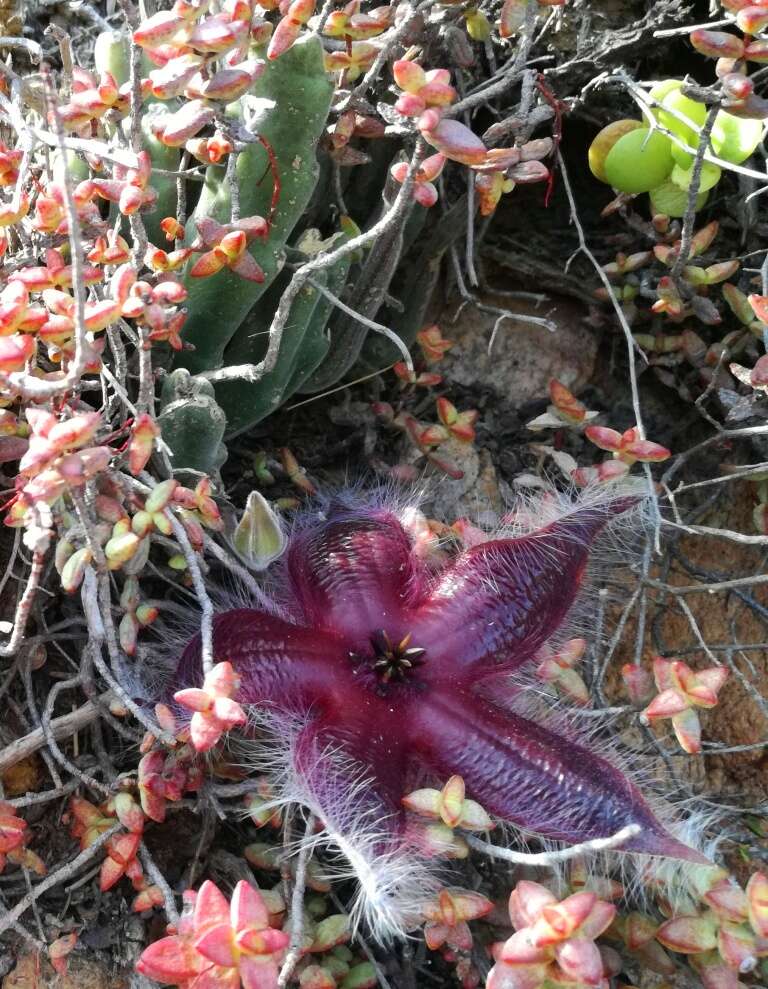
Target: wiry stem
559	855
297	905
9	917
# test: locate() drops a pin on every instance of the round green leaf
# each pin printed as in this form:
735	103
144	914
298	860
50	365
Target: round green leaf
639	161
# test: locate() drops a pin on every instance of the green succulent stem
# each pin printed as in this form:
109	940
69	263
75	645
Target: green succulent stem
294	95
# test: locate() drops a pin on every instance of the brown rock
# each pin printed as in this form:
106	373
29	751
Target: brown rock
524	356
475	495
11	17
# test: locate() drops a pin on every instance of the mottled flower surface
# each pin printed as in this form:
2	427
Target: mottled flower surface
375	668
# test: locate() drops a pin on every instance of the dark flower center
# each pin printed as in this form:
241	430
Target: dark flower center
392	662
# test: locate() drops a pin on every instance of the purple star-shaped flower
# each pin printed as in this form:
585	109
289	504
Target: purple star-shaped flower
377	670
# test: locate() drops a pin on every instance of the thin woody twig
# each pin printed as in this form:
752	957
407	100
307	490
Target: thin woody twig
157	877
686	236
369	323
704	588
629	338
9	917
206	605
671	32
555	856
59	728
25	605
297	906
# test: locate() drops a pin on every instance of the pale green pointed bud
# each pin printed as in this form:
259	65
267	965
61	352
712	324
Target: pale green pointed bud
146	614
263	856
439	840
451	801
259	537
121	528
317	879
474	817
273	901
127	632
424	802
128	812
64	549
138	561
129	599
162	523
331	931
141	523
263	473
121	548
160	495
177	562
73	571
689	934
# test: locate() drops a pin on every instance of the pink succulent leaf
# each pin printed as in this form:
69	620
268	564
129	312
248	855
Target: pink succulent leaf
559	921
248	908
757	897
599	920
526	901
262	942
194	699
210	231
211	907
504	976
604	438
580	959
687	728
258	973
666	705
719	976
221	681
171	960
736	946
205	731
688	934
216	944
713	678
228	712
518	950
247	267
662	674
456	141
728	901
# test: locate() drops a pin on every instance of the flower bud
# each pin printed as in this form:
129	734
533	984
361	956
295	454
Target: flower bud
258	537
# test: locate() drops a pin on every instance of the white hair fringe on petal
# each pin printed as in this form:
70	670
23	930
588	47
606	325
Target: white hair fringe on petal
358	836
